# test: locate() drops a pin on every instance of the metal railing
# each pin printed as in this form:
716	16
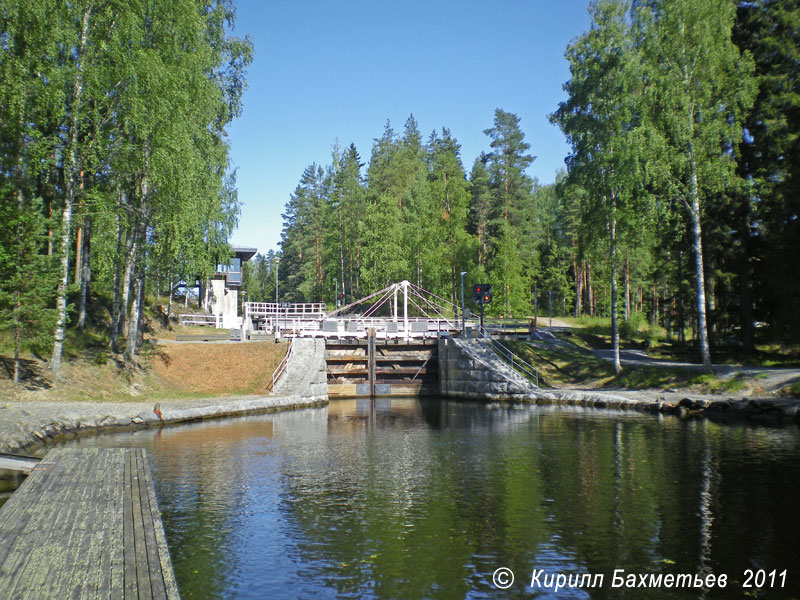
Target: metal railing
201	319
356	327
284	309
280	368
516	363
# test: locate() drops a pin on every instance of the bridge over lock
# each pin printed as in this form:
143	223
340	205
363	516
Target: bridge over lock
400	311
386	343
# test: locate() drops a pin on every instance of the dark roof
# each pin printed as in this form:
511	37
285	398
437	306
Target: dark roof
244	253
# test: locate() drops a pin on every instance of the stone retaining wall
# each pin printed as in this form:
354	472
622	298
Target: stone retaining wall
25	425
306	373
469	369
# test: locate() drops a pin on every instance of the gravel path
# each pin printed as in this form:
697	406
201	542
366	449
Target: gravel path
773	378
24	425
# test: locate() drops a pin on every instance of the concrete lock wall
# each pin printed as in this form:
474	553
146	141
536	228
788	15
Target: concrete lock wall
306	372
469	369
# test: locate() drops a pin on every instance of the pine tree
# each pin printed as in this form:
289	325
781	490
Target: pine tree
770	162
511	188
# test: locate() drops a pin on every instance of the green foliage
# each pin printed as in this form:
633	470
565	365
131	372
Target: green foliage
28	276
657	103
114	114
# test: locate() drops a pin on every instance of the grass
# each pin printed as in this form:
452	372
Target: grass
595	333
576	367
560	366
91	372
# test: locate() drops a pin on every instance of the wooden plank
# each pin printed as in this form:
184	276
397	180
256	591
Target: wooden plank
163	585
22	525
382	371
18	462
129	553
136	546
72	530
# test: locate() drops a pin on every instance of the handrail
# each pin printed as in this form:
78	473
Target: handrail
280	368
516	362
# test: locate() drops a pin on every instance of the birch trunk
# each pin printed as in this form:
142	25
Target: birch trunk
697	238
133	321
130	263
115	306
86	271
613	260
70	163
627	288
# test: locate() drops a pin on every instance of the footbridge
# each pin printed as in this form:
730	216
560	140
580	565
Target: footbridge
400	311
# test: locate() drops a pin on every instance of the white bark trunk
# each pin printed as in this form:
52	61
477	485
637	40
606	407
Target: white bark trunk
613	260
697	235
71	158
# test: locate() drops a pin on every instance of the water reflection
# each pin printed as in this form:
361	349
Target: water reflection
425	499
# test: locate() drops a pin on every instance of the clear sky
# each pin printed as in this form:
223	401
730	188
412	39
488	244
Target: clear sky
337	70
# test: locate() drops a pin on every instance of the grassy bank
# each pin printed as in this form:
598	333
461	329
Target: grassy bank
91	372
637	333
576	367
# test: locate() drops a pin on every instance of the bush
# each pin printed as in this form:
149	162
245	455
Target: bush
633	327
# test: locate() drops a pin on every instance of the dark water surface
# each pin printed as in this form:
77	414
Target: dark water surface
427	499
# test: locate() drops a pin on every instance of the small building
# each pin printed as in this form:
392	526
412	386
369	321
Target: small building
224	285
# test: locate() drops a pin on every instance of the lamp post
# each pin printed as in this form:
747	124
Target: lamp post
277	326
276	283
463	318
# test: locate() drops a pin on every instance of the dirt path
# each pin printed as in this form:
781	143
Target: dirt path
769	379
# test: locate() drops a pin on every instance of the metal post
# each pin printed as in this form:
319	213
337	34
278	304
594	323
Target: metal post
463	318
550	307
481	332
405	308
371	362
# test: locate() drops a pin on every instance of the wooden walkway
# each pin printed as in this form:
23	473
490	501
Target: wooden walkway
85	524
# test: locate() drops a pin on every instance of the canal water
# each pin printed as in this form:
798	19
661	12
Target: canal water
428	499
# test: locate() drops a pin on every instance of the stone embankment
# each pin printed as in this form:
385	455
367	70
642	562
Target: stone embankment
25	425
469	369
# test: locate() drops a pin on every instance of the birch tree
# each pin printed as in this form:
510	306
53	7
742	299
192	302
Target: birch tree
699	88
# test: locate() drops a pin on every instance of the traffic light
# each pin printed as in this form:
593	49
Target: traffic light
481	293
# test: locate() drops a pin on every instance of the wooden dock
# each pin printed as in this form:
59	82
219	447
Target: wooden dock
85	524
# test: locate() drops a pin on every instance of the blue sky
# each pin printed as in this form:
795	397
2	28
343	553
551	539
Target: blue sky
326	71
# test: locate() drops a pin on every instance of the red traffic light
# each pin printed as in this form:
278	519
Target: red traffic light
481	293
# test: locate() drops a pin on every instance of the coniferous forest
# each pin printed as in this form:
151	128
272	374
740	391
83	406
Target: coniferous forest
679	202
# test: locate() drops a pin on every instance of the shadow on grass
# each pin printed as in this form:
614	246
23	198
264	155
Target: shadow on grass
32	375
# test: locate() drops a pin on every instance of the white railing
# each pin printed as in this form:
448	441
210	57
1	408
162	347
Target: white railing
515	361
276	374
201	319
284	309
356	327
